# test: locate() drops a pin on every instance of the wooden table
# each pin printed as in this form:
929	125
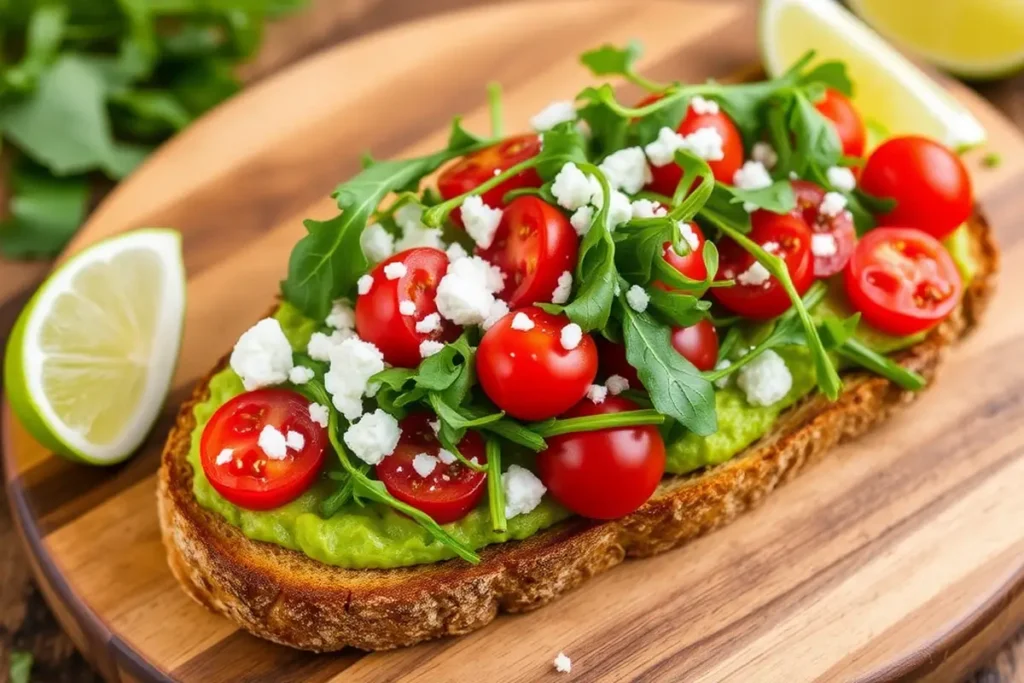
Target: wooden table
25	621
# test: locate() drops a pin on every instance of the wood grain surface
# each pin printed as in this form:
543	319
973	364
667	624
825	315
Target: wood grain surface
896	517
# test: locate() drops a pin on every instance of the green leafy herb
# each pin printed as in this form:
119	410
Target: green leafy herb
858	353
45	212
609	60
832	74
590	423
494	105
495	491
992	160
20	669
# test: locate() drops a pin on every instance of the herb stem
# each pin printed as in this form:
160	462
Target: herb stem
856	351
497	115
495	492
435	215
646	83
590	423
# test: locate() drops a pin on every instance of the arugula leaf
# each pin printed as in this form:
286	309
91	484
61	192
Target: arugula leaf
45	212
590	423
816	143
44	35
459	138
860	354
777	197
682	310
609	60
832	74
20	667
608	129
595	269
677	389
562	144
645	129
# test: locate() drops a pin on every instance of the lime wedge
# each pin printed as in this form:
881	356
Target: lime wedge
973	38
91	357
888	89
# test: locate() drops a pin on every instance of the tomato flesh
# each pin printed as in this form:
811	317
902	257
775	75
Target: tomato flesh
528	373
698	344
691	264
250	478
902	280
930	184
841	235
838	109
533	246
784	235
449	491
476	168
379	319
607	473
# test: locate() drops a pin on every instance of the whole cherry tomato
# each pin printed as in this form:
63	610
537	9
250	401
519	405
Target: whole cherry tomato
534	245
837	108
529	373
834	237
690	264
697	343
902	280
607	473
478	167
238	467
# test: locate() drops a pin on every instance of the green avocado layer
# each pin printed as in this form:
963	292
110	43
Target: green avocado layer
375	536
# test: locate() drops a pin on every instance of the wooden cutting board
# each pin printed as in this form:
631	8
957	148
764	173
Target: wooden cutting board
901	557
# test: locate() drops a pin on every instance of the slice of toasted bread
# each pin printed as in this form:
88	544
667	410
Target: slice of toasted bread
284	596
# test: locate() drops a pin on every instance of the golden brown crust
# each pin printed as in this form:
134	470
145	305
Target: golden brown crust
291	599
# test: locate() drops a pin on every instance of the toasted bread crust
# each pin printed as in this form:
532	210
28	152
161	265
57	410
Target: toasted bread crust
286	597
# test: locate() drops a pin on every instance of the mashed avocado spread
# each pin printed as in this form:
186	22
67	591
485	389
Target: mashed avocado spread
375	536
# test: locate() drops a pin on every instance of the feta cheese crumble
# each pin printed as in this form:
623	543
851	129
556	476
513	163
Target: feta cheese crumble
764	153
430	323
616	384
428	347
272	442
752	176
498	310
465	294
832	204
571	336
563	664
295	440
224	457
705	143
620	209
523	491
353	363
262	356
377	243
373	437
320	344
481	221
395	270
564	288
319	414
581	220
571	188
823	244
522	322
597	393
627	169
645	208
446	457
552	115
364	284
701	106
300	374
765	380
414	232
424	464
341	317
455	251
637	298
754	276
723	382
841	178
407	307
689	236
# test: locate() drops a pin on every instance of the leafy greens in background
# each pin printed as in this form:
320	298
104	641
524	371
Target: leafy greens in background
88	89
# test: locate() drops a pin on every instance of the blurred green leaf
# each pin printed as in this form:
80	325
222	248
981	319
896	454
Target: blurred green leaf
45	213
20	668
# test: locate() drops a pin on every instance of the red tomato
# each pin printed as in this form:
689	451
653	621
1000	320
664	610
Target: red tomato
667	177
929	183
606	473
449	492
697	344
613	361
378	318
476	168
690	264
529	374
840	229
785	236
840	111
251	479
902	280
534	245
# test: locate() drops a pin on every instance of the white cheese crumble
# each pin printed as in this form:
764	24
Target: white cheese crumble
395	270
364	284
342	316
754	276
262	356
465	294
764	153
581	220
552	115
637	298
705	143
373	437
597	393
620	209
295	440
430	323
563	664
224	457
832	204
645	208
480	220
841	178
699	105
446	457
319	414
689	236
765	380
424	464
823	244
272	442
428	347
455	251
414	232
616	384
564	288
377	243
627	169
752	176
498	310
320	344
353	363
407	307
300	374
522	322
723	382
571	336
523	491
571	188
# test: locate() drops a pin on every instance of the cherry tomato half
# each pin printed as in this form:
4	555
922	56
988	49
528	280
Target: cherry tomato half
533	246
756	294
929	183
666	178
607	473
247	476
476	168
902	280
838	109
379	319
449	491
690	264
528	373
837	235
